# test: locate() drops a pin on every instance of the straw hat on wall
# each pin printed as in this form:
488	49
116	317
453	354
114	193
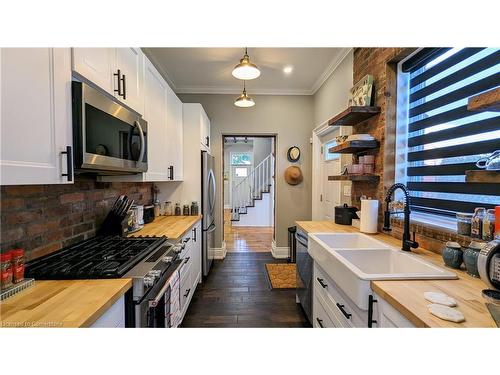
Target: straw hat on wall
293	175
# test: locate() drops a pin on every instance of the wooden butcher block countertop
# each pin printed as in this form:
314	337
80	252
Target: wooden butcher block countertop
62	303
174	227
407	296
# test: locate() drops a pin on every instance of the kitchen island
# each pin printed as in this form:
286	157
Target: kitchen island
407	296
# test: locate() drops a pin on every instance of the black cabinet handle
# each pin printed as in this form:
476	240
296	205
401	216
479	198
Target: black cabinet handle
194	234
320	322
171	172
124	87
207	142
187	292
341	308
69	163
186	240
119	81
371	301
187	259
320	281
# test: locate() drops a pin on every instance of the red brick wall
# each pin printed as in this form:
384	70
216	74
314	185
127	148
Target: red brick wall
376	61
45	218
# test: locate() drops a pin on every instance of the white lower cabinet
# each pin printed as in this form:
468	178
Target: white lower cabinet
341	312
35	118
114	317
389	317
190	272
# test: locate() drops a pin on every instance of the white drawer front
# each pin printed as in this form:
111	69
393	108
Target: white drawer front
338	303
321	318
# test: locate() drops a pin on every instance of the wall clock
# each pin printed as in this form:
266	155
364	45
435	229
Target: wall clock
293	154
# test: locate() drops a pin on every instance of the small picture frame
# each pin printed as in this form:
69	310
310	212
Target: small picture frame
361	94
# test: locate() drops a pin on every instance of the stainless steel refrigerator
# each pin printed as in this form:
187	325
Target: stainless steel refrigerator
208	190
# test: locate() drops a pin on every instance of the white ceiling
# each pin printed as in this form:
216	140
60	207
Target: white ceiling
208	70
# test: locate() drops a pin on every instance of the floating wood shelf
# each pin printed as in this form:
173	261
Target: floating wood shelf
483	176
354	147
487	101
355	177
354	115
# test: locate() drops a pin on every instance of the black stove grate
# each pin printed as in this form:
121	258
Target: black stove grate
96	258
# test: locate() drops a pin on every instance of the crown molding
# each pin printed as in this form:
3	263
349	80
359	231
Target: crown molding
236	90
329	70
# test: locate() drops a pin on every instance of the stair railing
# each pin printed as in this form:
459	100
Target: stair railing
252	187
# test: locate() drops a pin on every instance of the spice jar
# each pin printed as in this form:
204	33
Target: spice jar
464	221
470	258
194	208
177	209
5	270
453	255
489	225
17	265
168	208
185	210
476	230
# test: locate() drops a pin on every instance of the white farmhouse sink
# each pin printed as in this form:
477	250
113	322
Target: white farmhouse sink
337	241
352	268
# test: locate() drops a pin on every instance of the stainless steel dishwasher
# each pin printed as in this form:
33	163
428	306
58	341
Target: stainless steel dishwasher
304	273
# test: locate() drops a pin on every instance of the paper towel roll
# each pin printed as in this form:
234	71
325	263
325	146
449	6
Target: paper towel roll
369	216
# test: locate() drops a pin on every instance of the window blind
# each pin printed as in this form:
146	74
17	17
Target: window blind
444	139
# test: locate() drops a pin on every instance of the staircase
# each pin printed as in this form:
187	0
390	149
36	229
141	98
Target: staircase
252	188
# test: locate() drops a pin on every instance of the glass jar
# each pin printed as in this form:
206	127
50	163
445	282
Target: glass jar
6	270
177	209
17	265
194	209
168	208
470	257
464	221
185	210
453	255
156	209
476	230
489	225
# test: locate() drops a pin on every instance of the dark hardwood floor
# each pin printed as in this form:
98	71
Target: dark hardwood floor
237	293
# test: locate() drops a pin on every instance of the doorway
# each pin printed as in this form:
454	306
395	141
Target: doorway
248	192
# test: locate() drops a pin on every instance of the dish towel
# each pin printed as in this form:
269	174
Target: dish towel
173	305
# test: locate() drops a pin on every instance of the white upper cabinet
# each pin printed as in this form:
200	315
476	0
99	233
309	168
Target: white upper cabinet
118	71
35	118
130	62
155	113
175	135
96	64
205	131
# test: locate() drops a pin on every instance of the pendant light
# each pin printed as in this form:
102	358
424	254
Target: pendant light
244	101
245	69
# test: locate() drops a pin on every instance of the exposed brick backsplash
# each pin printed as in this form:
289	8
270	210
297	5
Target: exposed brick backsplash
376	61
44	218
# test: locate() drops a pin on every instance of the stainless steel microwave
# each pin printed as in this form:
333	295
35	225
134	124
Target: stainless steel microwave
108	138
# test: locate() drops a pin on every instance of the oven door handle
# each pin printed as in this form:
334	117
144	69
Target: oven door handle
154	301
143	143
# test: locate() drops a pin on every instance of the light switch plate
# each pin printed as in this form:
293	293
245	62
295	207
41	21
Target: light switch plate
347	191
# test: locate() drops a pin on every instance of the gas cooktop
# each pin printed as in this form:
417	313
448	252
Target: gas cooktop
97	258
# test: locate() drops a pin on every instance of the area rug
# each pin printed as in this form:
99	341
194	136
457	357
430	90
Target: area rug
282	275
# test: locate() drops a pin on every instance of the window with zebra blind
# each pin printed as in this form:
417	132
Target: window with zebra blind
444	139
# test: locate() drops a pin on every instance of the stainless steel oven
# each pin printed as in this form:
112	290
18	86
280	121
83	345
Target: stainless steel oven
304	273
108	137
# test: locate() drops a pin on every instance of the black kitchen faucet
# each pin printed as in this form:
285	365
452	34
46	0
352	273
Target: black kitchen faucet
407	242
